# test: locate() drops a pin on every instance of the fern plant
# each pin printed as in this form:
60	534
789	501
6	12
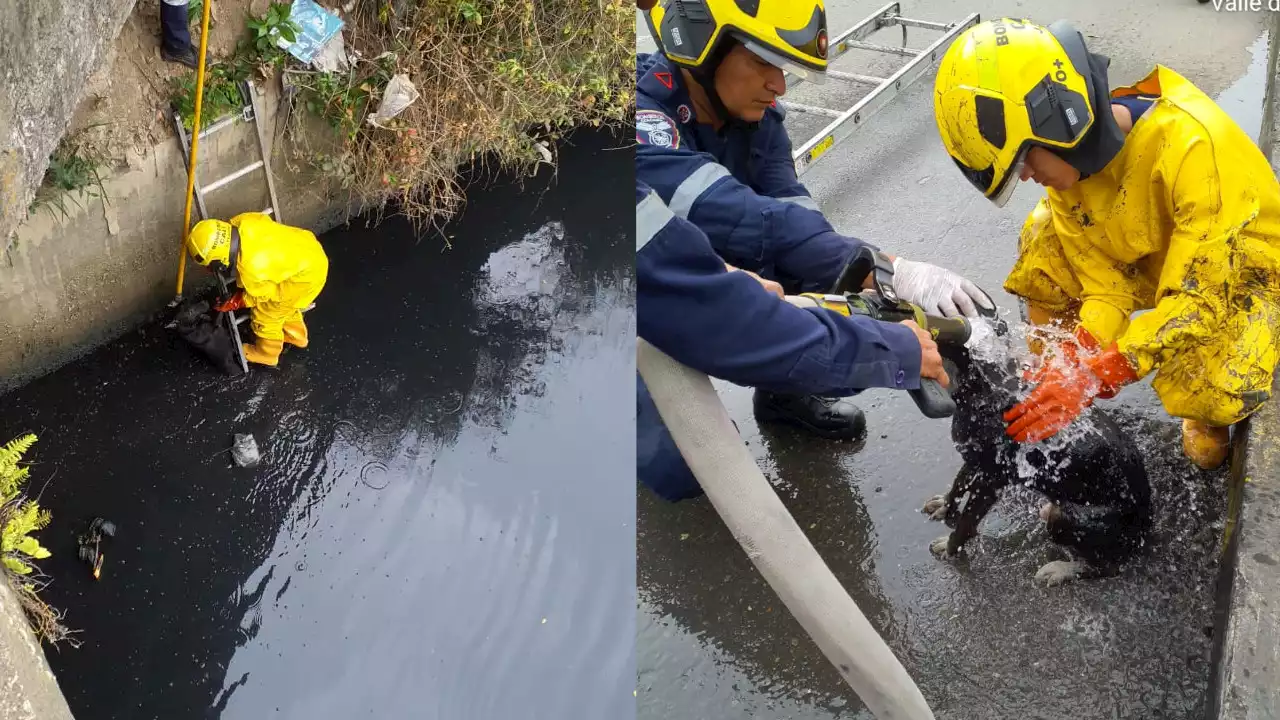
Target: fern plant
12	476
18	517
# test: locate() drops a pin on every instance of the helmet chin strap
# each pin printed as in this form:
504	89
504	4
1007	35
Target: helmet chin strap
1105	139
229	267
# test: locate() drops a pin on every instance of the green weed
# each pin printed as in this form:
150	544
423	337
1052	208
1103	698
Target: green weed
257	52
494	79
21	516
72	173
221	94
276	24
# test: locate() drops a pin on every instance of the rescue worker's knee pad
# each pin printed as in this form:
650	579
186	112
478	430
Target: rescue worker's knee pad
1224	380
1205	401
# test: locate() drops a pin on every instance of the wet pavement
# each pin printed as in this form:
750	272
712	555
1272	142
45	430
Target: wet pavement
442	525
980	637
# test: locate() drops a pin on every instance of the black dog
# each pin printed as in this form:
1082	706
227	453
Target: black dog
204	330
1092	473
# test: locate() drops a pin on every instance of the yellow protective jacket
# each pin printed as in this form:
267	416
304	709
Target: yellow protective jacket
1185	221
278	264
281	269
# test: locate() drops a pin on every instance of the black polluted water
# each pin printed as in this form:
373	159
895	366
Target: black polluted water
441	524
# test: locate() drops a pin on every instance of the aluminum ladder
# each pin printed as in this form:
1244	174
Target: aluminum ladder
845	122
249	112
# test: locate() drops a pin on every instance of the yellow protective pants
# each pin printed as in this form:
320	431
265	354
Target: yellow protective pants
268	319
282	270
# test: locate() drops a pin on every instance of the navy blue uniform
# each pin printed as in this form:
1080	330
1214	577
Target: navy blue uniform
174	36
739	185
727	325
734	196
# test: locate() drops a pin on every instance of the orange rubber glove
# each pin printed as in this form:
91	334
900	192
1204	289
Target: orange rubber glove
1068	353
235	302
1065	391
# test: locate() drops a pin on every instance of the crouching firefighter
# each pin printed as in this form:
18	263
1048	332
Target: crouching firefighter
712	145
1156	200
728	325
279	270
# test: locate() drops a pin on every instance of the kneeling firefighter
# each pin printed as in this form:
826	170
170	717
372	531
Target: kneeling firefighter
279	271
1156	200
713	148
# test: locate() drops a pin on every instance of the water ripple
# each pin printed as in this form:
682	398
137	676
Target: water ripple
375	475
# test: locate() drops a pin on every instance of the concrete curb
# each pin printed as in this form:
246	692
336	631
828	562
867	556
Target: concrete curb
1246	657
28	689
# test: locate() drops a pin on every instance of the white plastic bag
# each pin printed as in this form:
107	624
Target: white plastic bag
245	451
400	94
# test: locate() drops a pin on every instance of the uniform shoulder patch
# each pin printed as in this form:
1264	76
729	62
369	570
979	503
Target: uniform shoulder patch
656	128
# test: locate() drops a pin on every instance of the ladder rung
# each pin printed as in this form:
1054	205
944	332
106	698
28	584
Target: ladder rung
812	109
249	113
845	123
227	121
855	77
231	178
923	24
871	24
904	51
879	20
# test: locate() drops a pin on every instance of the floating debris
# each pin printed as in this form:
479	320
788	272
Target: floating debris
245	451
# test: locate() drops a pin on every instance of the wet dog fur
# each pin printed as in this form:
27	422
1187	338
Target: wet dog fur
1100	498
202	329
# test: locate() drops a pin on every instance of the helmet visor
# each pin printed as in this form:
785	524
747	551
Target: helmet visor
1012	178
996	189
786	64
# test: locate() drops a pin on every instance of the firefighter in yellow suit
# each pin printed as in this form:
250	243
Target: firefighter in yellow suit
1156	200
279	271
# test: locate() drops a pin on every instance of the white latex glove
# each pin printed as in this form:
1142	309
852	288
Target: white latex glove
938	290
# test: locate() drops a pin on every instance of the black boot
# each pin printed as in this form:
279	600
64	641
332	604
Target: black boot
175	38
182	57
832	418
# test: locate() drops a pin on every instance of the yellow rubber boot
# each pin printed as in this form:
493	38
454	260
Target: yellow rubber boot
1204	445
295	333
264	352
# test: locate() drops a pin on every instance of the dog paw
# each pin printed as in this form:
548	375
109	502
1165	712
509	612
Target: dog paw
939	548
1059	571
936	507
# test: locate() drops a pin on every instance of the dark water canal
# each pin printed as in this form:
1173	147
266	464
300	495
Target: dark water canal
443	521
